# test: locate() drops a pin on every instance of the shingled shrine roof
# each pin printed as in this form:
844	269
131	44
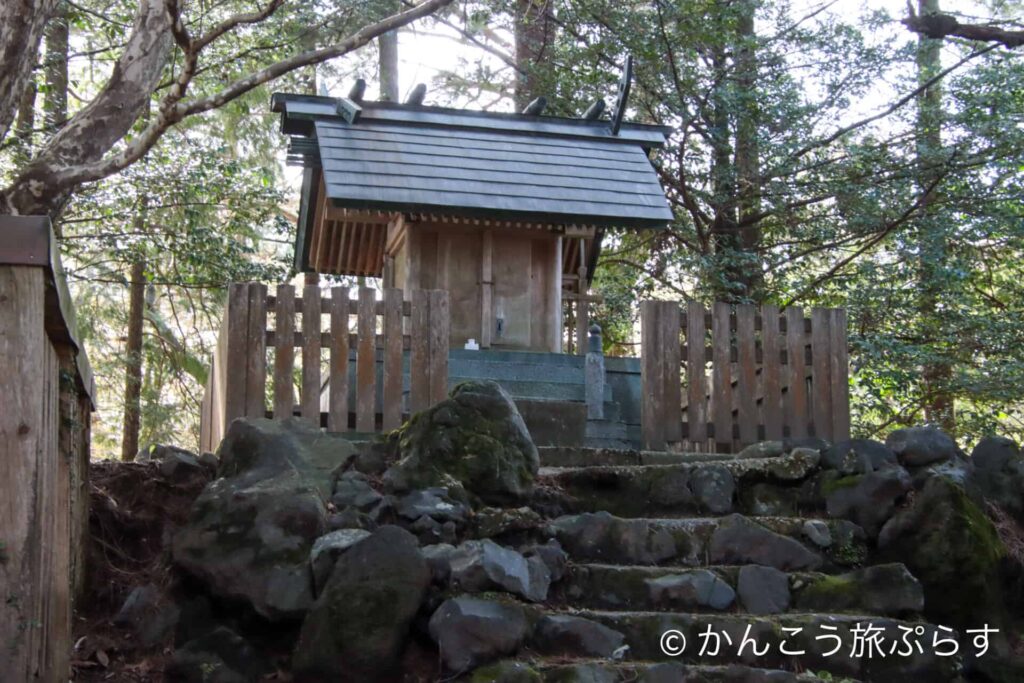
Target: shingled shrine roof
523	167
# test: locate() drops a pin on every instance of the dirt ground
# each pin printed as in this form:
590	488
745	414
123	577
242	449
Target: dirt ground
134	512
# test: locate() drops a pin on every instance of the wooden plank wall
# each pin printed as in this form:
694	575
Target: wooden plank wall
44	452
724	378
391	330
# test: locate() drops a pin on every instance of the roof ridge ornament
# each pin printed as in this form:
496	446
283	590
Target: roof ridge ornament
625	82
535	107
357	91
594	111
417	95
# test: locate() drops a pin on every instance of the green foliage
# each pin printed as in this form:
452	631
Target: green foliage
925	253
200	217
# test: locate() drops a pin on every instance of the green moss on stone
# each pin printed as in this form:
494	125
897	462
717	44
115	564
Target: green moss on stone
506	672
830	486
830	593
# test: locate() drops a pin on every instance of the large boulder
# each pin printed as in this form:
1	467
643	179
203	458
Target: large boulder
470	631
476	439
998	475
917	446
358	626
479	566
326	551
857	456
953	549
250	532
867	499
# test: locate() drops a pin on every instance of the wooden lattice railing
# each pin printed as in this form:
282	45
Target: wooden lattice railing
773	374
339	386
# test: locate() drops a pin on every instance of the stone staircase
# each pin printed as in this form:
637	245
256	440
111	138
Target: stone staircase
664	542
550	391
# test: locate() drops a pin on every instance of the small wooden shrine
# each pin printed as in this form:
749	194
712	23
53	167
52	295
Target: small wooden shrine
504	211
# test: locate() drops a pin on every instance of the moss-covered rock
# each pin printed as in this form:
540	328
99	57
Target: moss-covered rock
249	533
475	439
887	589
867	499
359	625
953	549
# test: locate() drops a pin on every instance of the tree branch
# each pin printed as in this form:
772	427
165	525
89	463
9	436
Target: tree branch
80	152
939	26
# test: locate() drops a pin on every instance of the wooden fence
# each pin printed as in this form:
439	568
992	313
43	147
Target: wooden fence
773	374
46	394
339	386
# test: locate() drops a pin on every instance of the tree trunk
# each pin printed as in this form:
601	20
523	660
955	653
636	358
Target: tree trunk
533	32
939	405
133	362
21	29
724	229
55	70
748	186
24	125
55	99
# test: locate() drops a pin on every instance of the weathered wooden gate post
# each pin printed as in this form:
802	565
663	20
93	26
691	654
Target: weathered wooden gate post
45	405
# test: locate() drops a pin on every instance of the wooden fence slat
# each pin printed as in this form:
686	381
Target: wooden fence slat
796	383
746	379
366	362
840	374
722	376
671	368
771	386
284	352
337	407
439	340
256	352
310	392
238	329
419	352
652	404
821	383
696	378
392	394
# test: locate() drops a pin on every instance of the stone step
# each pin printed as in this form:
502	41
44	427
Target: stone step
526	357
560	457
607	443
885	590
609	428
715	485
584	670
508	370
786	543
808	640
535	389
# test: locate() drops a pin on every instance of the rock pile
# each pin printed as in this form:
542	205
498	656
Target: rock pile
449	552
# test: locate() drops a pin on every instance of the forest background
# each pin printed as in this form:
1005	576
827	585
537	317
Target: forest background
823	154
